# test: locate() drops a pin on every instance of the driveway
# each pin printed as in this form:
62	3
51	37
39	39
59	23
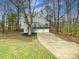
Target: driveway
60	48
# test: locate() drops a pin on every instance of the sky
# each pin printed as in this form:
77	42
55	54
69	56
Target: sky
40	4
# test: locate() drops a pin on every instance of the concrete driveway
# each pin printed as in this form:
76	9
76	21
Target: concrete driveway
60	48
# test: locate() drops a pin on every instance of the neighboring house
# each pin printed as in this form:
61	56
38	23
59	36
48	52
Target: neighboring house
39	25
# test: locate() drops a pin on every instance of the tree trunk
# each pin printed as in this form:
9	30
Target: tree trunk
3	23
77	20
57	20
30	30
30	21
68	9
17	22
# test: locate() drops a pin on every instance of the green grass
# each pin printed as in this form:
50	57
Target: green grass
23	48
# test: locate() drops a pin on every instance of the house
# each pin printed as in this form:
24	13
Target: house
40	24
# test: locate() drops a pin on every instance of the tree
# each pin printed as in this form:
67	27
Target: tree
24	6
12	17
55	8
58	15
18	6
68	9
4	7
77	10
29	15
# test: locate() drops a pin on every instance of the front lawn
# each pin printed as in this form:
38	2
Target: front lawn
19	47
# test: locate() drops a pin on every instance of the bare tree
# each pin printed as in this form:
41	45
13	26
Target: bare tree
56	13
68	9
77	10
29	17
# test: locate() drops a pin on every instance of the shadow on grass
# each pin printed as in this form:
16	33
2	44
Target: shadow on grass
26	34
29	38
